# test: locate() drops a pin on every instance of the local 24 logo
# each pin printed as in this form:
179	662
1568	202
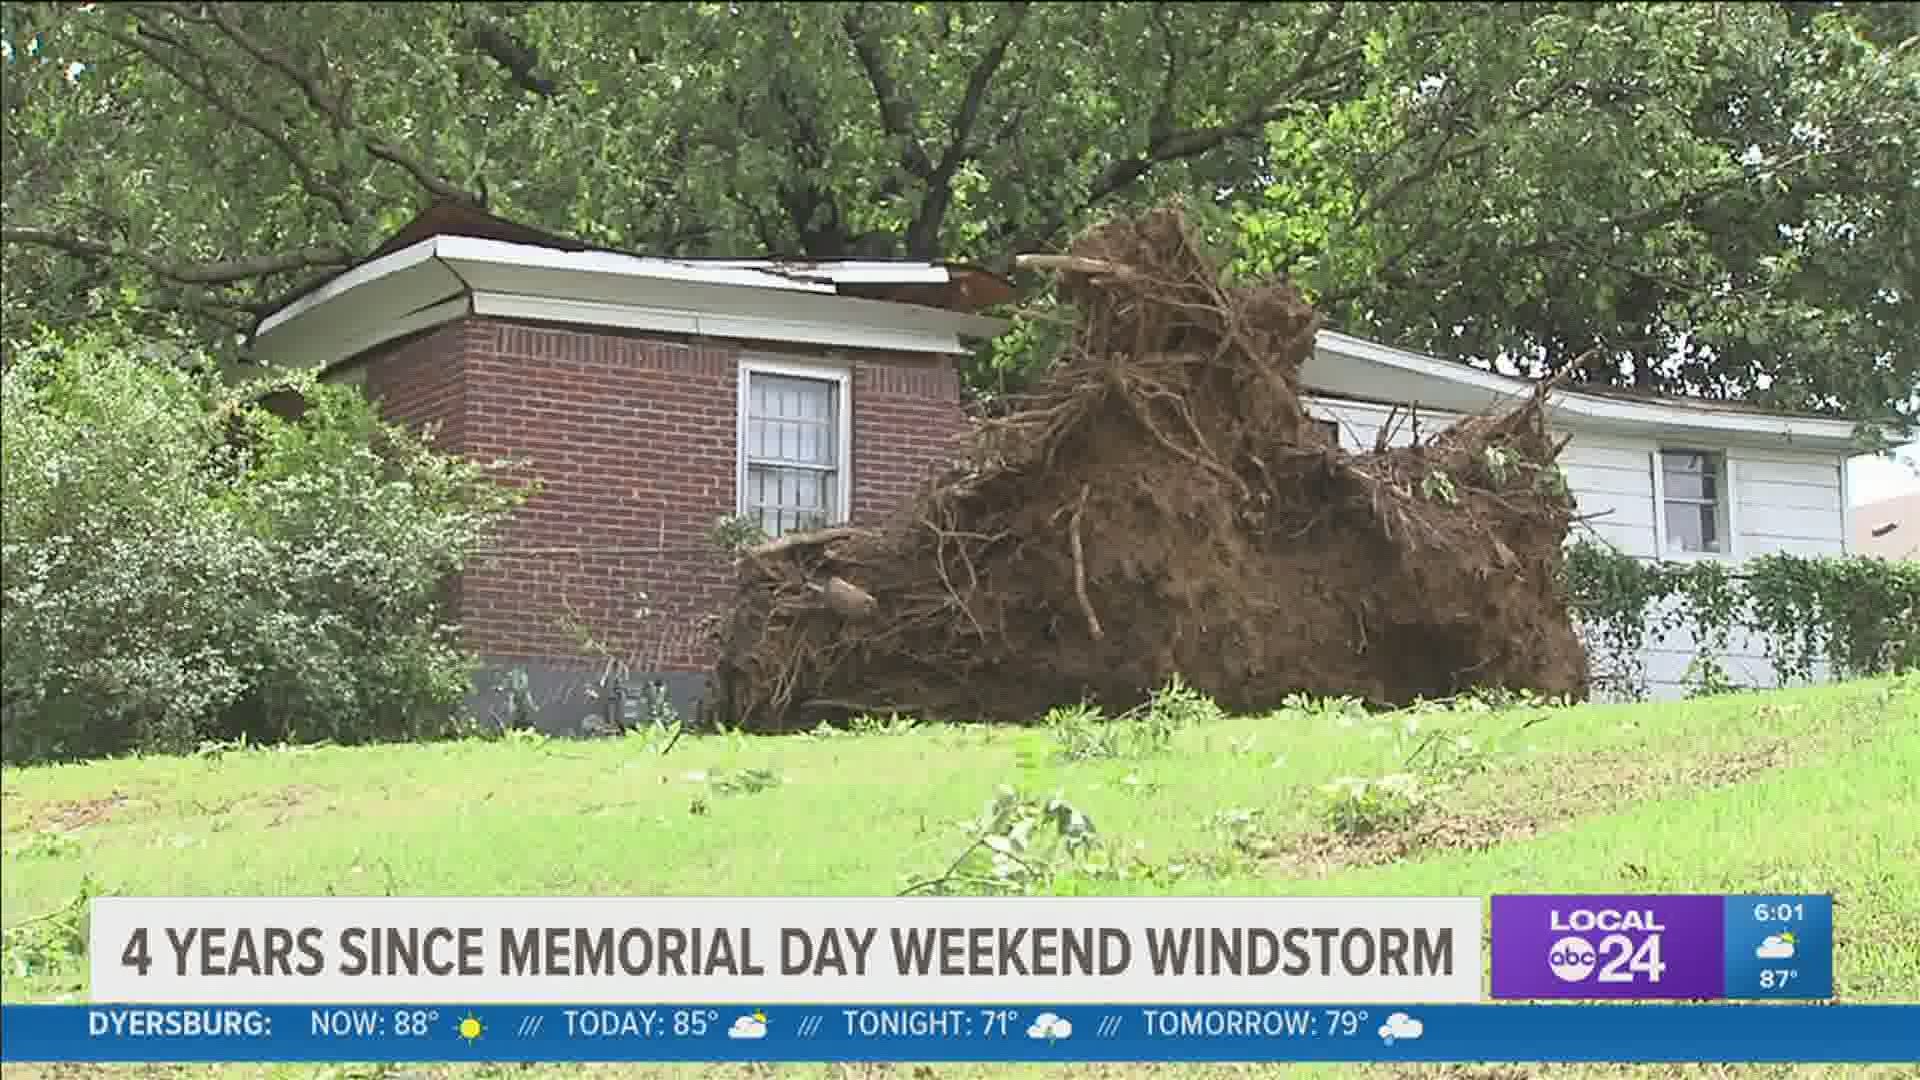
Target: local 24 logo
1616	957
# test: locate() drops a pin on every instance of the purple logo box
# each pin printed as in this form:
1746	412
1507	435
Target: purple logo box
1620	947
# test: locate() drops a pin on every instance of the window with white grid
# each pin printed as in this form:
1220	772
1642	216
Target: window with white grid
1693	490
791	433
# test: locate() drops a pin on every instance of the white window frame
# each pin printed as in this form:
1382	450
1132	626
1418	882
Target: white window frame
841	376
1846	512
1727	482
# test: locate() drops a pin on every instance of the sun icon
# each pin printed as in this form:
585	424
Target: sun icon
471	1029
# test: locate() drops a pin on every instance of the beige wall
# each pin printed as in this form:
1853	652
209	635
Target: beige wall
1902	542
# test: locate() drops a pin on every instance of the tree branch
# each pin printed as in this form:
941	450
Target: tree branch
1160	125
811	206
336	109
515	56
1283	97
225	272
433	182
1686	203
1570	240
310	177
1432	230
976	93
1438	158
896	114
923	235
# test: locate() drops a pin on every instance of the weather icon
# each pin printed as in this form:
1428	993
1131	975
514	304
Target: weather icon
1776	947
749	1027
1050	1027
471	1028
1401	1028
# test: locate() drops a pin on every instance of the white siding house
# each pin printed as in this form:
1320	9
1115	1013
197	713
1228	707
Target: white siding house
1678	478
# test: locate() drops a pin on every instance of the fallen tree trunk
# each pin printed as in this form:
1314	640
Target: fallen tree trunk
1163	505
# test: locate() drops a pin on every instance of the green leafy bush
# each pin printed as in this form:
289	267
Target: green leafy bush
1858	614
182	565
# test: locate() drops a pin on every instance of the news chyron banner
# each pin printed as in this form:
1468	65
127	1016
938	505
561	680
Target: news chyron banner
739	951
1076	979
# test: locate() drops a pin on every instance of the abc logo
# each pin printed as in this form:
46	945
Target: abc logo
1572	959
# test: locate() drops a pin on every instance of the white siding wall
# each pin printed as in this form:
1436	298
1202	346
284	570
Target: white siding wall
1783	501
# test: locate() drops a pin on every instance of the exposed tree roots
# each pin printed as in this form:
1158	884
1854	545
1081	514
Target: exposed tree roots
1163	504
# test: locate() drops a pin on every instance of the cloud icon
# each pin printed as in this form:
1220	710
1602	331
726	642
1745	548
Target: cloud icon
1400	1026
1775	947
1049	1026
749	1027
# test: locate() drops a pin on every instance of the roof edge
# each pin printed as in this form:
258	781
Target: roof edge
1692	413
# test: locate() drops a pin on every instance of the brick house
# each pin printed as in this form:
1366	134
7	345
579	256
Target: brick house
651	397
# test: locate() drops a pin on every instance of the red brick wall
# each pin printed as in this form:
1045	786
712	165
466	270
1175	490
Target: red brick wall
422	380
632	440
906	420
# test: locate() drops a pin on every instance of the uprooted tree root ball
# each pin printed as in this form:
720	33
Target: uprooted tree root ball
1163	505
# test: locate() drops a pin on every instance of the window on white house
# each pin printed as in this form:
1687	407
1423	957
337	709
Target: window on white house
1330	429
790	435
1694	490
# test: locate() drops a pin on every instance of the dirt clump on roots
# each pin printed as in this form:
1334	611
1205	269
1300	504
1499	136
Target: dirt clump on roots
1163	504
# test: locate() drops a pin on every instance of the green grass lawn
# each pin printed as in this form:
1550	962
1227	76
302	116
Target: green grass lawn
1808	790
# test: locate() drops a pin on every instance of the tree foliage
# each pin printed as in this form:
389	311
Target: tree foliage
1720	195
1713	199
180	564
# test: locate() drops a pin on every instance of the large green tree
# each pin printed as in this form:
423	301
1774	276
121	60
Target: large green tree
1720	196
1720	200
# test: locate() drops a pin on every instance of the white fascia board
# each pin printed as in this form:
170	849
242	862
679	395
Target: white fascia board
1846	508
822	317
1386	355
297	346
365	274
744	326
468	253
851	272
1586	410
412	297
884	274
718	290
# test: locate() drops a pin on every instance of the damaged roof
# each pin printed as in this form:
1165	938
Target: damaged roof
950	286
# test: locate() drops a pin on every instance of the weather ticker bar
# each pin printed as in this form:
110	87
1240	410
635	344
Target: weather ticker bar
952	1033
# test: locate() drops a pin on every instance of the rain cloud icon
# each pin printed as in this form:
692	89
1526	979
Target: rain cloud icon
1401	1027
1775	947
1049	1026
